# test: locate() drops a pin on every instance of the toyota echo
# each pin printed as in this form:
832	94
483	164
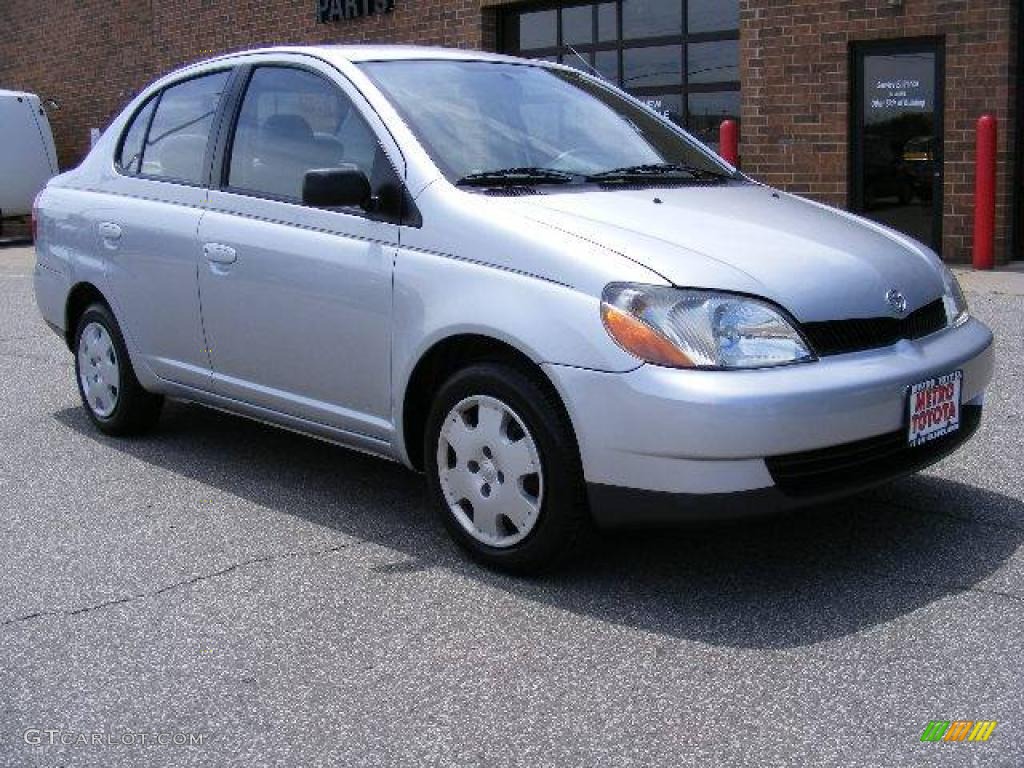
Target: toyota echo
509	275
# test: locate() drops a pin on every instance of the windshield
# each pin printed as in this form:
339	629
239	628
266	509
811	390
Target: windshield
477	118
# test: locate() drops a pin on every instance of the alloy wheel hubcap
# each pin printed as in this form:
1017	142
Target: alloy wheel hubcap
490	471
98	370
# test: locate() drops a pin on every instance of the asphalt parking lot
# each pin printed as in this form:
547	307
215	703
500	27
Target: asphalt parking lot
295	604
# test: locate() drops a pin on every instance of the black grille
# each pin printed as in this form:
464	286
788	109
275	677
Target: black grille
865	462
655	183
836	337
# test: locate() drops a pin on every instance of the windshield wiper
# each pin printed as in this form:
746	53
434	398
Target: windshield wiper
660	171
526	176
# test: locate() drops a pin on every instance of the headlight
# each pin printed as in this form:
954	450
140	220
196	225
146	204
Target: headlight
681	328
953	299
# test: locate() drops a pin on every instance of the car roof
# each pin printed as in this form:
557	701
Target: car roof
364	53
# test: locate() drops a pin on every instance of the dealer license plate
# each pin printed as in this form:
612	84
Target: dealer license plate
934	407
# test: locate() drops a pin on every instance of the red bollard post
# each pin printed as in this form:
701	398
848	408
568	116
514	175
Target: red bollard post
985	194
729	142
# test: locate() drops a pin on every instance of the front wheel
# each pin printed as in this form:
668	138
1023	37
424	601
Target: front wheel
111	394
504	470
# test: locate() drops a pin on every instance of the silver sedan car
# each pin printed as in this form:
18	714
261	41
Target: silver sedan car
508	275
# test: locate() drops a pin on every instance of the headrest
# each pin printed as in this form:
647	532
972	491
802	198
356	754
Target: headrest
181	157
288	127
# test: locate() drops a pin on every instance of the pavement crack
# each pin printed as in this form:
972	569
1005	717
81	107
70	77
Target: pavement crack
960	588
998	593
191	581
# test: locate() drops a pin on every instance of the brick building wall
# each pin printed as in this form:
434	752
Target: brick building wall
85	55
118	47
94	55
795	62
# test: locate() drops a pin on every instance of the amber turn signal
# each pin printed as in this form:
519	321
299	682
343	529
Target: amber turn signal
639	339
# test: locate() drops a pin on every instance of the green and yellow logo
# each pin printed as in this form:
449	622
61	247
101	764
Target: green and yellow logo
959	730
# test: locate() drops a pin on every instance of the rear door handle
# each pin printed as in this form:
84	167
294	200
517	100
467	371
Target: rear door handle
220	254
110	231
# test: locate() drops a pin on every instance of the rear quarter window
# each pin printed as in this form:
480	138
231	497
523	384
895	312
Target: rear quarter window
129	159
167	138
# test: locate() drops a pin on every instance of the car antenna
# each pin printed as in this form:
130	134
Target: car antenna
586	63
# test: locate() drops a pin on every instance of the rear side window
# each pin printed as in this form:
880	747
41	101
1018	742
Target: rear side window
130	159
293	121
174	146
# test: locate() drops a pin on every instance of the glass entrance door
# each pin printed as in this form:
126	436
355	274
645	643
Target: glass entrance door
897	137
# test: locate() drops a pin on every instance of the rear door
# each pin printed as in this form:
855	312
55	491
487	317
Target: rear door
297	300
145	225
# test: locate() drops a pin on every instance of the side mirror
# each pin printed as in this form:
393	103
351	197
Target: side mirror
338	187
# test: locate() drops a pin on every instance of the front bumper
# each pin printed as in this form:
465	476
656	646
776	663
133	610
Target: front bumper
659	444
802	479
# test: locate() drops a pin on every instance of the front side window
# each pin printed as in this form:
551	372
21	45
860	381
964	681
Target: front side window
293	121
175	146
477	117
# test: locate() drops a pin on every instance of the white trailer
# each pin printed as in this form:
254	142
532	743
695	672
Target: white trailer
28	158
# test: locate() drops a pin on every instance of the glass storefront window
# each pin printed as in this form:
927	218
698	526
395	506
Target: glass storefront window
651	18
538	29
607	22
712	15
668	105
581	62
578	25
683	53
713	62
707	111
660	65
607	63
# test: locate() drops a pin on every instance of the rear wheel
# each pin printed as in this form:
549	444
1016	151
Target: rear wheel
503	469
111	394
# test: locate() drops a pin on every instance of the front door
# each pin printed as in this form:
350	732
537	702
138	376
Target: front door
897	137
296	300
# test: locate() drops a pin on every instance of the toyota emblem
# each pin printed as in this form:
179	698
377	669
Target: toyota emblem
897	301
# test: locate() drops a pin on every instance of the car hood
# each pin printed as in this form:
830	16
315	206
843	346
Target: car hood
817	262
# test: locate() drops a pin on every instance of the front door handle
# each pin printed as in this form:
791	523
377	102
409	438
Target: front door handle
220	254
110	231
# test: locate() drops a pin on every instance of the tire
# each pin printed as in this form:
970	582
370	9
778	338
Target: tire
115	401
534	432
